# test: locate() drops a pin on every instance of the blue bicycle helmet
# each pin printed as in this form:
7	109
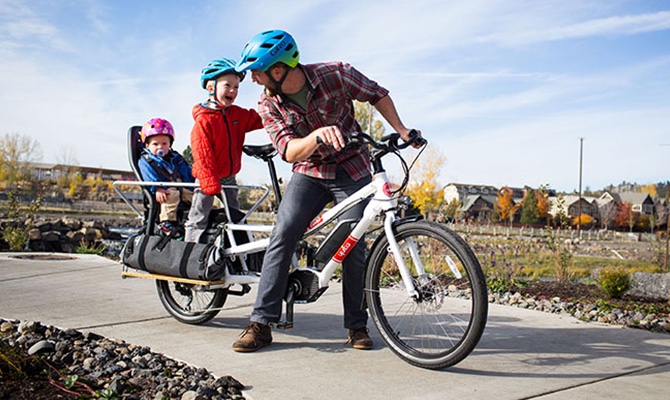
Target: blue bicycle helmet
217	68
268	48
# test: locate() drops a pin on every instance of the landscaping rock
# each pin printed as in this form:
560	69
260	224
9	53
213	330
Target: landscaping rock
129	371
67	234
650	286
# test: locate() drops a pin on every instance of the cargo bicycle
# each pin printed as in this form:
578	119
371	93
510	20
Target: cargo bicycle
424	287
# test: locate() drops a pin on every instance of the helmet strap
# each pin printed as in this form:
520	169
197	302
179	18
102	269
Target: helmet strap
213	92
278	83
212	102
212	105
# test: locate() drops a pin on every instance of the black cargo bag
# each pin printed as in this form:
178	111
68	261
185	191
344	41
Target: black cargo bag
165	256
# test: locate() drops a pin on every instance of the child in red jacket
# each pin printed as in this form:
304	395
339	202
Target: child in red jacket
217	138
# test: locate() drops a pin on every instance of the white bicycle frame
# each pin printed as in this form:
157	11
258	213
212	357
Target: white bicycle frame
381	203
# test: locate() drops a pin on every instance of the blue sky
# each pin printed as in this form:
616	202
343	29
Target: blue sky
504	89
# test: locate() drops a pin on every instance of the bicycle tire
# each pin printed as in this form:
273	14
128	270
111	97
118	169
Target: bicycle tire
190	304
444	325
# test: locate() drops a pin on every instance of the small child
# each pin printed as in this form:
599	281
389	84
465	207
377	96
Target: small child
217	138
159	163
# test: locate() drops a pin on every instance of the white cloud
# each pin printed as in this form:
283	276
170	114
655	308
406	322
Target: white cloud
610	26
489	82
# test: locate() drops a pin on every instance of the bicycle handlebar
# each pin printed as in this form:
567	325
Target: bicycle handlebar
390	139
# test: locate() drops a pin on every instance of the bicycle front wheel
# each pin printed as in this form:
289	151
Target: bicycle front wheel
190	304
444	323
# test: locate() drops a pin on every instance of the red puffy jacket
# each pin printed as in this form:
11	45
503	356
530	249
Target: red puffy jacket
217	138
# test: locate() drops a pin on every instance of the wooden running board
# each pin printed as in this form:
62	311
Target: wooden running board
146	275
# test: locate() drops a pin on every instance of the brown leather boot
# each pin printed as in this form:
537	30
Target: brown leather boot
254	336
359	339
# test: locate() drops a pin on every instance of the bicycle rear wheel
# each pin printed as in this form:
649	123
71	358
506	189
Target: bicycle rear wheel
444	324
190	304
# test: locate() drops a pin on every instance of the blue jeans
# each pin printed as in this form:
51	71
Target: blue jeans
304	199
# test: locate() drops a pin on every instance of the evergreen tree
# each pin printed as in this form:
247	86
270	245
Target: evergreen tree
530	214
188	155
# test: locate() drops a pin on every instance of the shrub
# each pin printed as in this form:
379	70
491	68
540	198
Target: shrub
16	237
614	283
16	233
90	248
586	220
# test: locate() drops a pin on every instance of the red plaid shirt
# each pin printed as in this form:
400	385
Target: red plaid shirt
331	89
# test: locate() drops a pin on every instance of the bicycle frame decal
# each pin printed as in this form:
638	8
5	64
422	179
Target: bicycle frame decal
386	189
316	221
345	249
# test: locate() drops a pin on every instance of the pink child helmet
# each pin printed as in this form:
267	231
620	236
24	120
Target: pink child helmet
157	126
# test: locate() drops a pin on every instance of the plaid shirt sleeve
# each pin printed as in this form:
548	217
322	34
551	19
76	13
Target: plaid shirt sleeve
332	89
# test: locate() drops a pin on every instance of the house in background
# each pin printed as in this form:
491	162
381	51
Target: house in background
42	171
518	194
607	209
478	207
459	191
476	200
571	206
640	202
662	208
477	203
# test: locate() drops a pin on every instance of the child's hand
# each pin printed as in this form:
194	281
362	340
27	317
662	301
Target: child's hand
161	195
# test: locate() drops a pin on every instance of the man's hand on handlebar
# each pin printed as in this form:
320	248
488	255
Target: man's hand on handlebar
409	135
331	136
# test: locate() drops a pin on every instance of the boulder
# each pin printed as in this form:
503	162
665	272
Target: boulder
650	285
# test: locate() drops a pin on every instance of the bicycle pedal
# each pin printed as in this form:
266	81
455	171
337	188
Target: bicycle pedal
245	289
283	325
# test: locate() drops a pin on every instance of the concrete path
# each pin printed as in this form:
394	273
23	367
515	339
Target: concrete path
523	354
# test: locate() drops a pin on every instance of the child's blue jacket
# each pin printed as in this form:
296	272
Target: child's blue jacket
171	168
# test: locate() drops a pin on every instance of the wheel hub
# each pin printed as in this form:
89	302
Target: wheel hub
431	292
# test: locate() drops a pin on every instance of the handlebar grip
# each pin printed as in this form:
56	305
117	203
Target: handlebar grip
413	137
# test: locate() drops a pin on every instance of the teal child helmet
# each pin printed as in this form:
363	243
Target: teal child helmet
217	68
268	48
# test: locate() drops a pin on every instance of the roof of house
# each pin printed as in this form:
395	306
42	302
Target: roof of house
635	197
47	166
573	198
468	186
469	201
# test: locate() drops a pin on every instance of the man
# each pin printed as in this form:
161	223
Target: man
308	111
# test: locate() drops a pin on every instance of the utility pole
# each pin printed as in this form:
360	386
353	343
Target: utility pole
579	204
667	231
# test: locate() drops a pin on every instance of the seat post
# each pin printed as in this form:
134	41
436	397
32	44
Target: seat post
273	178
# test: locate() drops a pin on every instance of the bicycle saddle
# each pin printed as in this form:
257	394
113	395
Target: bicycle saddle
263	151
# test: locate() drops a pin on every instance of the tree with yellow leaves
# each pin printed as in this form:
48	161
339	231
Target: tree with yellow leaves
17	152
542	194
364	114
424	190
505	206
650	189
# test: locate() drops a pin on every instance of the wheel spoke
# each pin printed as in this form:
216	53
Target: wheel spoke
191	304
444	323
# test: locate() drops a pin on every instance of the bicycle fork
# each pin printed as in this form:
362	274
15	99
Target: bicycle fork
397	255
